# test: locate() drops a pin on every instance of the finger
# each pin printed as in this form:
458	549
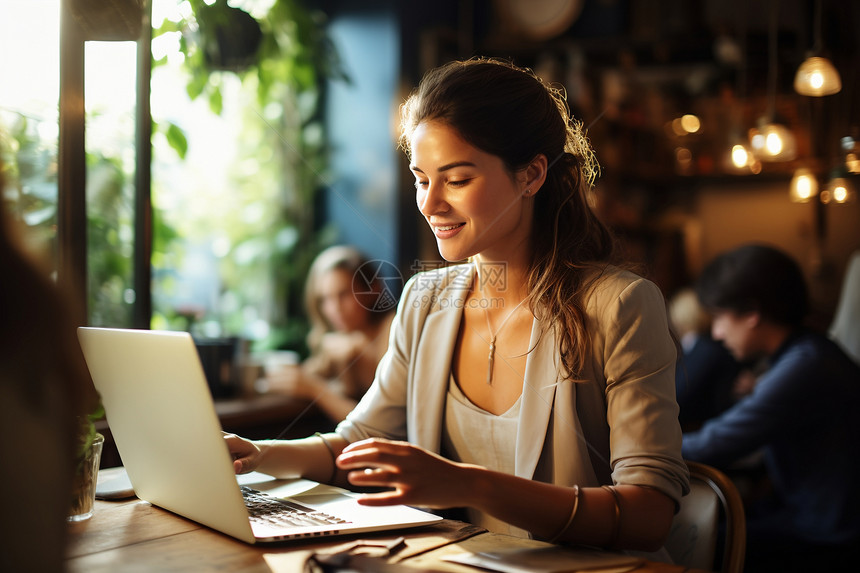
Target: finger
242	465
372	458
376	450
234	443
372	477
363	445
381	444
392	497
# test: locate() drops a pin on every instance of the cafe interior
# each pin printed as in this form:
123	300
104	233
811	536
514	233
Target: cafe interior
194	156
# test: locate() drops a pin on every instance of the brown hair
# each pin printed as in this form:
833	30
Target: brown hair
756	277
509	112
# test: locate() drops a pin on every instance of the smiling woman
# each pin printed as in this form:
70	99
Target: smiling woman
532	386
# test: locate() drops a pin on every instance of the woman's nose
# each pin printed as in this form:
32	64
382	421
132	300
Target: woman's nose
431	201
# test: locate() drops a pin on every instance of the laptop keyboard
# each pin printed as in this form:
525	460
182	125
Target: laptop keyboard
270	510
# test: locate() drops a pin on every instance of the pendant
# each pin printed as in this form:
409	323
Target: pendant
490	359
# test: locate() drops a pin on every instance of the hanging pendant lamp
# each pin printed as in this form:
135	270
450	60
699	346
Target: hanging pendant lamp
772	141
817	76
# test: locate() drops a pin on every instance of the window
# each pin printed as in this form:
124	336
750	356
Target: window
29	122
109	81
29	127
228	216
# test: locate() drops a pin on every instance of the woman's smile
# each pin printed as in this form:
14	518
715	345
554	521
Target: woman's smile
447	231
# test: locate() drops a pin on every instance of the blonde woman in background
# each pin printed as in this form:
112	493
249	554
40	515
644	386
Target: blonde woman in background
347	339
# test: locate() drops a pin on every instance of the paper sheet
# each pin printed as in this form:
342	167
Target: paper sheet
547	560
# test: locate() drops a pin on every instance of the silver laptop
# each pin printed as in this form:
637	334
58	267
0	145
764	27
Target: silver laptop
161	415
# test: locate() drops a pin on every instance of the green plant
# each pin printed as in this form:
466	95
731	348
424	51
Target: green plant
87	434
87	459
281	55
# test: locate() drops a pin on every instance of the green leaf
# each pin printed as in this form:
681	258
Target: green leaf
177	140
196	85
216	101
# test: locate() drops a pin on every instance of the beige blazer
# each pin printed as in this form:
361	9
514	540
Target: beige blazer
619	424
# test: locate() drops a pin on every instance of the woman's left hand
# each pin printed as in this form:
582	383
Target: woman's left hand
417	476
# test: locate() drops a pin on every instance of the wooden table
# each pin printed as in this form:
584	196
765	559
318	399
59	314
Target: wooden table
132	535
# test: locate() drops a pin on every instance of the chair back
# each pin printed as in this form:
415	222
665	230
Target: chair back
845	329
693	539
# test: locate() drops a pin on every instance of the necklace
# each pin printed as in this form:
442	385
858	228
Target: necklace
491	359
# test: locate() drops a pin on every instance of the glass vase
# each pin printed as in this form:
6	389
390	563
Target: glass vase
84	487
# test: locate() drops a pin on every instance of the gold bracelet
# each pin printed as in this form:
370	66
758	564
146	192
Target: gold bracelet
616	518
331	452
570	517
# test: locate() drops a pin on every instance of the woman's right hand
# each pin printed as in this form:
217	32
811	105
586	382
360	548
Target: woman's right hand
245	453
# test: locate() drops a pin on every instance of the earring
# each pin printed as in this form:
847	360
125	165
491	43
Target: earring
527	192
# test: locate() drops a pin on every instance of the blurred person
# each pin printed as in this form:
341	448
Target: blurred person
44	390
348	335
532	385
800	414
706	372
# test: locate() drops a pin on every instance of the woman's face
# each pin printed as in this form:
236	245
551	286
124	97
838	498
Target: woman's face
470	200
338	304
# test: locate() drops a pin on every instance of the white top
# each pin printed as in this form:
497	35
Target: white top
495	449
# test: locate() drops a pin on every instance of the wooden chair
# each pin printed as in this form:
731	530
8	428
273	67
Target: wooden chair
693	538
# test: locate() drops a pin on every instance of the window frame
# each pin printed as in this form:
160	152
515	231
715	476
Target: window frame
71	256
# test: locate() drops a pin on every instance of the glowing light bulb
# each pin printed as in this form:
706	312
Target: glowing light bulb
740	156
757	142
816	80
841	189
840	194
817	77
690	123
773	143
804	186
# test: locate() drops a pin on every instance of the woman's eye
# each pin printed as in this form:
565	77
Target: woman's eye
459	182
420	184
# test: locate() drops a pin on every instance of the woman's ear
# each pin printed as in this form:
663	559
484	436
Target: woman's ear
534	175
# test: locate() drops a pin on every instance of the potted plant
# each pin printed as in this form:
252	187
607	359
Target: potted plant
87	459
